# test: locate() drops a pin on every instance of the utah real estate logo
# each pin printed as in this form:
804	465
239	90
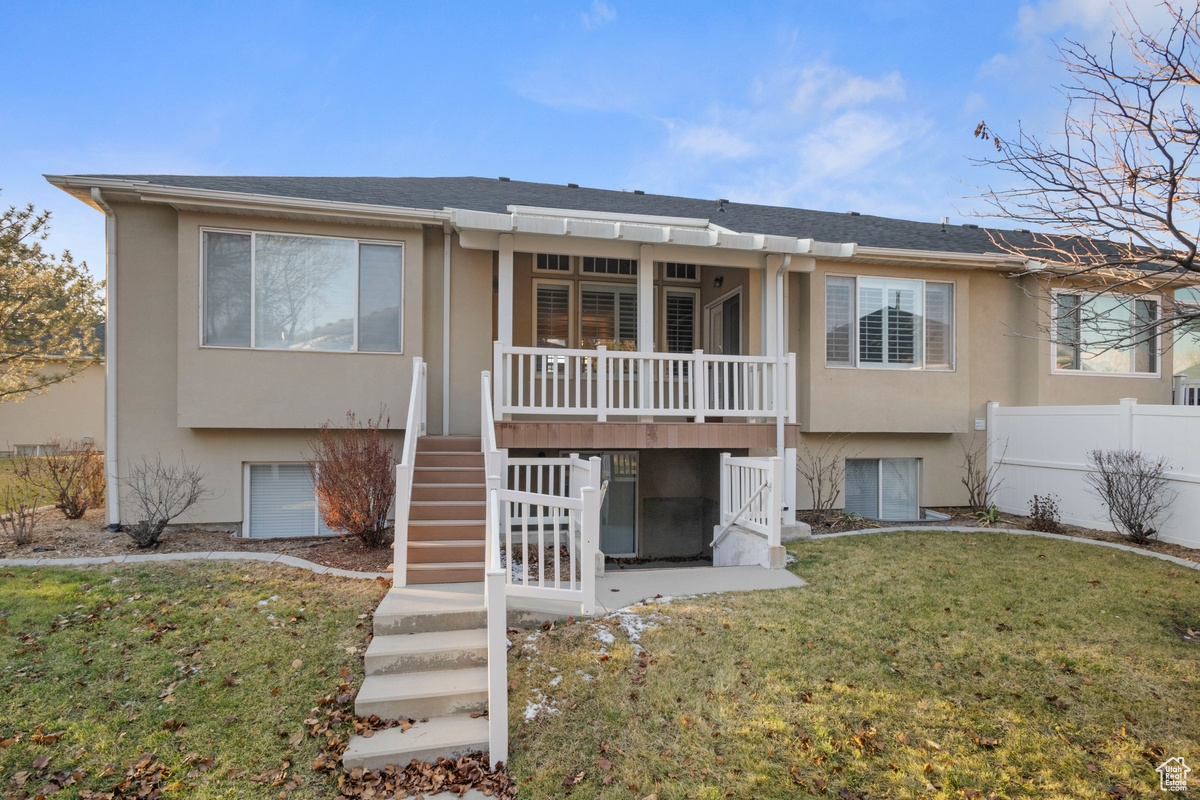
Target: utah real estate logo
1172	775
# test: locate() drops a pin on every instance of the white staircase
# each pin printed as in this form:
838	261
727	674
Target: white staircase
427	661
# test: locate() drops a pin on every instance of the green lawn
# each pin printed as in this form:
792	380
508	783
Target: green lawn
914	665
211	669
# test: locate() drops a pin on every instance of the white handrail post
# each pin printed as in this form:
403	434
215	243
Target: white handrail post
726	504
590	523
699	385
602	384
400	526
497	644
776	507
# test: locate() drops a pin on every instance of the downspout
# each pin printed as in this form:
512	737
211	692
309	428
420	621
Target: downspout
112	483
446	335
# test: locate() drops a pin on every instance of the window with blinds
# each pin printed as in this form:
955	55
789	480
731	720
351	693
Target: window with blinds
553	314
608	316
883	488
876	322
680	322
283	503
610	266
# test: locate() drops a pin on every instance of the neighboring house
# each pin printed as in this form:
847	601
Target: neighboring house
71	410
244	312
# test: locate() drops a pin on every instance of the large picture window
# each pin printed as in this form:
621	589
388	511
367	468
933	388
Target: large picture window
283	292
884	322
1105	334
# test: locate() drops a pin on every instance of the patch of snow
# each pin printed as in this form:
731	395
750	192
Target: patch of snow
584	675
557	680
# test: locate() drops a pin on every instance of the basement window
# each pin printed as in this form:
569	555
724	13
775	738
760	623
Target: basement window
883	488
281	502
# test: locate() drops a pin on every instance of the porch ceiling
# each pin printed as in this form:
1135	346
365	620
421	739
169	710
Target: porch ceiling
542	435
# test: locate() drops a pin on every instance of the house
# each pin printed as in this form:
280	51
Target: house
71	410
654	332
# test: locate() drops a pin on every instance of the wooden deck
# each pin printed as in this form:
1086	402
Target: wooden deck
640	435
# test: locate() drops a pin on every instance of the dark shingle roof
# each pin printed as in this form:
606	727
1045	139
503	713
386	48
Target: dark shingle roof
488	194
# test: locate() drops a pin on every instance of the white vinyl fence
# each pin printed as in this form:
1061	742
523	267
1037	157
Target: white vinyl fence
1044	450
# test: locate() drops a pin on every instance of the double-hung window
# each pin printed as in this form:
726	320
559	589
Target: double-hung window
1105	333
887	322
285	292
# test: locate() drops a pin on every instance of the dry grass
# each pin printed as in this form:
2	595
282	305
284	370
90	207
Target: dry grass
915	665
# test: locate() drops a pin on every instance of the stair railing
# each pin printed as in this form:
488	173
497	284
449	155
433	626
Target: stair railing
497	638
414	428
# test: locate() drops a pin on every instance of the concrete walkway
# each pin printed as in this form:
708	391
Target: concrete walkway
618	589
1183	562
141	558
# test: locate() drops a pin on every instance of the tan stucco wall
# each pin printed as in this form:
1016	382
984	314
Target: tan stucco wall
234	387
163	376
70	410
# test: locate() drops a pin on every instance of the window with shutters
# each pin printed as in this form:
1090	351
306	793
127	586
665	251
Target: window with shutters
608	316
889	323
883	488
1105	334
679	321
553	314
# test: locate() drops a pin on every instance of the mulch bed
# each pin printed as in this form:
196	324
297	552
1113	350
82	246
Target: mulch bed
963	517
55	537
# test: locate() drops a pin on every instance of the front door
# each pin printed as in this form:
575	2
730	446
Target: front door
725	325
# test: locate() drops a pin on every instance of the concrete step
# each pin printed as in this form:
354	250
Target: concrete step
446	551
447	509
422	492
449	737
420	695
425	652
423	474
432	530
437	458
457	444
416	610
452	572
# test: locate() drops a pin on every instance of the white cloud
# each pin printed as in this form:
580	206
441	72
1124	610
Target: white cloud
601	14
708	140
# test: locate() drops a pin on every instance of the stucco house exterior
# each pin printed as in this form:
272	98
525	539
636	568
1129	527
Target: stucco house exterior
70	410
246	311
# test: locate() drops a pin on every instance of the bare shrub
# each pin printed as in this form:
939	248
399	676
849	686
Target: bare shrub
95	481
1135	490
824	470
1043	514
22	514
353	473
160	493
982	481
61	475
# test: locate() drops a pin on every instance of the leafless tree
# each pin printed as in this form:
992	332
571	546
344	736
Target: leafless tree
1118	187
824	470
62	474
982	481
160	492
1134	488
354	474
22	514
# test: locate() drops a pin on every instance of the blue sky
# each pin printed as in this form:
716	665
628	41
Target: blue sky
865	106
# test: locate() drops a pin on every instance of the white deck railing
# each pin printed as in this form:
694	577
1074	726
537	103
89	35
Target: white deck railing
601	383
751	496
1187	391
414	428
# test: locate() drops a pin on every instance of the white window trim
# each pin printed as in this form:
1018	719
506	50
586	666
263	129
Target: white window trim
572	306
662	317
571	265
1158	349
202	304
885	367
